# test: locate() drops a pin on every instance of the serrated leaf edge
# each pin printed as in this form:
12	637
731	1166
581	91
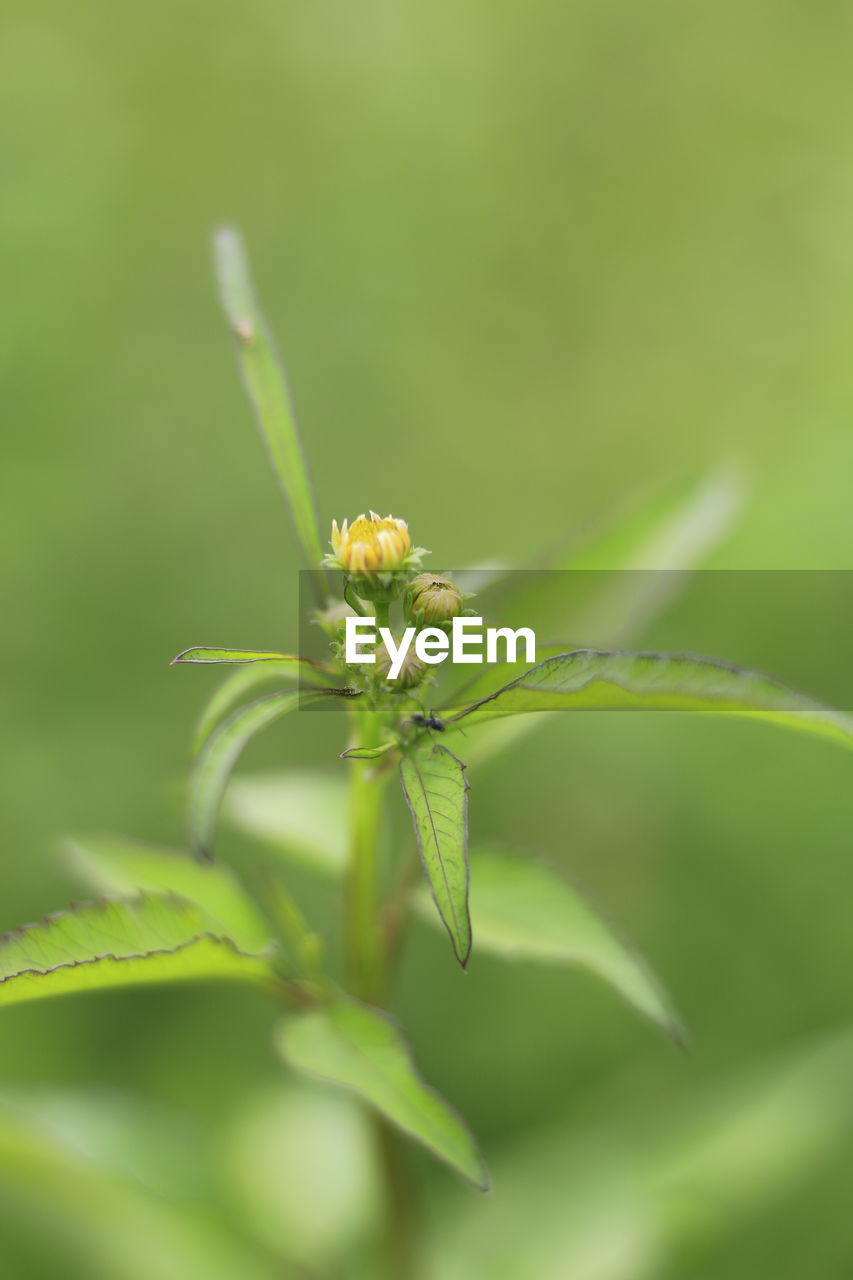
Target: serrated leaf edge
486	1184
103	903
463	960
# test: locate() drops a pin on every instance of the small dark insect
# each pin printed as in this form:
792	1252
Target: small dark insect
428	722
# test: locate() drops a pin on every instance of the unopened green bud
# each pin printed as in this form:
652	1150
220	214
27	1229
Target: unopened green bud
432	600
411	673
332	618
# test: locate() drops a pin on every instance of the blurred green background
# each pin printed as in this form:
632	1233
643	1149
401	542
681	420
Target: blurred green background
526	260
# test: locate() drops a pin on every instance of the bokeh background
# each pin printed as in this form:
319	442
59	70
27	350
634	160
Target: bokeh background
529	262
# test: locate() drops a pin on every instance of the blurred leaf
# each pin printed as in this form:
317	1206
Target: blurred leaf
623	1199
652	554
591	679
674	532
119	943
161	1148
265	382
478	577
522	910
219	756
318	1217
614	584
612	588
288	663
119	865
302	815
68	1187
304	948
755	1137
436	792
240	682
349	1044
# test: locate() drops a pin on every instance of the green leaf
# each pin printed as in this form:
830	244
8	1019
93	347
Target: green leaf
650	562
595	679
245	679
219	756
299	668
266	384
639	1189
320	1218
588	600
120	943
757	1135
240	682
368	753
120	1209
115	864
302	815
489	679
607	590
436	792
675	532
362	1050
304	948
522	910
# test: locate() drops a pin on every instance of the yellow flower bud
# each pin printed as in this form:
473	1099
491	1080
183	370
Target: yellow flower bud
371	544
431	600
376	553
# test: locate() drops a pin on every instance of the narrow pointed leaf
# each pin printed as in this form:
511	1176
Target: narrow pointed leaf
675	532
368	753
119	943
608	589
215	763
588	600
245	679
436	792
266	385
595	679
490	679
115	864
299	668
362	1050
522	910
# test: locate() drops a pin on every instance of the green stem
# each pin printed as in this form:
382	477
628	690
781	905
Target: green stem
369	962
398	910
352	599
399	1244
365	949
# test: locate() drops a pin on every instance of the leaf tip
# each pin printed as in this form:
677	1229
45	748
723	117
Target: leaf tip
679	1035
